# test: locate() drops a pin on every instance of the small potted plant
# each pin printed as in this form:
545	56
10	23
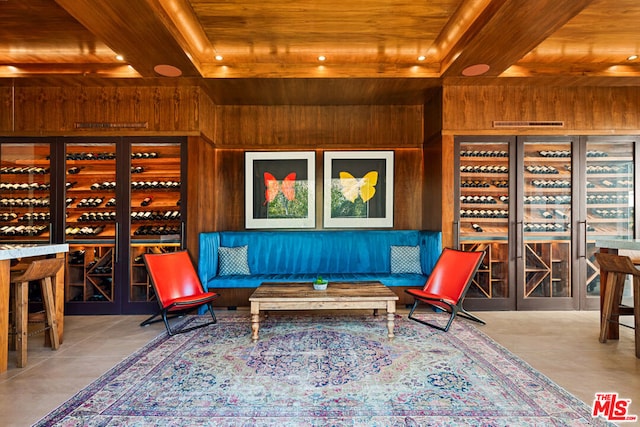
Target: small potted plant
320	284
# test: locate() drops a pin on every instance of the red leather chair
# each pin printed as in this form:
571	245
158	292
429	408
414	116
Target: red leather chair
177	287
447	285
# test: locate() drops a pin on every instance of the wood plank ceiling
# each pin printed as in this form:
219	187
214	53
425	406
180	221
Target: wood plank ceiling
266	52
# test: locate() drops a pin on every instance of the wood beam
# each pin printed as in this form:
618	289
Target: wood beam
134	30
503	36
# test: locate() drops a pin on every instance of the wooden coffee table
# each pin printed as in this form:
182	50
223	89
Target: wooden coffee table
338	296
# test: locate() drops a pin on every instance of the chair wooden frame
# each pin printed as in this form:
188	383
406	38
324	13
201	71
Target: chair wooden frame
178	289
447	286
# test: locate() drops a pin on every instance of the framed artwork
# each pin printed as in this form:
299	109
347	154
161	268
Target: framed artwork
280	189
358	189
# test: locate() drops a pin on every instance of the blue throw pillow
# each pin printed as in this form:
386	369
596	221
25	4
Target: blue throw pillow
405	259
233	261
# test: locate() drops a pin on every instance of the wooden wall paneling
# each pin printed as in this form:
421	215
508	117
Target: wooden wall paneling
6	112
435	185
57	109
433	109
228	173
408	182
205	109
201	187
301	126
584	110
228	193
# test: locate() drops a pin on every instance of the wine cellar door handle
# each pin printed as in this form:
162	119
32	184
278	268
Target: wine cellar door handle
582	242
519	239
116	243
182	239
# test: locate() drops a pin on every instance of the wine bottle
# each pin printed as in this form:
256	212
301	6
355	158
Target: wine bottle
74	170
560	214
477	228
146	201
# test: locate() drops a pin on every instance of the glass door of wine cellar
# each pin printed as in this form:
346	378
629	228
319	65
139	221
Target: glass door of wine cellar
123	199
544	219
156	223
91	226
609	212
484	217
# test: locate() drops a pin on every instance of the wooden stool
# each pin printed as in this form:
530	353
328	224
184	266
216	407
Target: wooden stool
617	268
41	270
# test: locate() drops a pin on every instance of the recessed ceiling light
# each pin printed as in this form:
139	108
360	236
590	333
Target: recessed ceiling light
632	58
475	70
421	58
120	57
219	57
322	58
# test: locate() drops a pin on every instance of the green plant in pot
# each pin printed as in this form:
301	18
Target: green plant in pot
320	284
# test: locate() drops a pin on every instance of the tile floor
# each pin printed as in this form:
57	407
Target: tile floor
562	345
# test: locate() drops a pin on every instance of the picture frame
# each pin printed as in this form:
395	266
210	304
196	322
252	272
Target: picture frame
358	189
280	189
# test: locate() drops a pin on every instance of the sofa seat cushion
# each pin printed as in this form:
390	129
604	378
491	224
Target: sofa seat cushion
254	280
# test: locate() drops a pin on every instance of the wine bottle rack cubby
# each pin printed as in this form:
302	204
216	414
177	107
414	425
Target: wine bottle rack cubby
141	288
90	274
25	187
484	186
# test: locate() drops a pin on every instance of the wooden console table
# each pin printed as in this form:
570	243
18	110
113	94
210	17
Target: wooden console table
8	253
338	296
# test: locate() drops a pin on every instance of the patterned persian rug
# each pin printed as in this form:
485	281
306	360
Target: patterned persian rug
317	370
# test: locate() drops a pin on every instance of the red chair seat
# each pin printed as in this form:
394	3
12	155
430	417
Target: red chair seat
419	293
191	301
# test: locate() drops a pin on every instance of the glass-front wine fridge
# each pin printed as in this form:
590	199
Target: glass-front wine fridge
536	206
484	201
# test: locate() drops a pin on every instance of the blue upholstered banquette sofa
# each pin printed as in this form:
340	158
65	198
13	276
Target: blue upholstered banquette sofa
234	263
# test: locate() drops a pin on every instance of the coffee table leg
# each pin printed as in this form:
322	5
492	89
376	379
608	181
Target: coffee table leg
391	313
255	320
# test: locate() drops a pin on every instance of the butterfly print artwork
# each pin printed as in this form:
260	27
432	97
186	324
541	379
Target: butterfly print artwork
274	187
352	187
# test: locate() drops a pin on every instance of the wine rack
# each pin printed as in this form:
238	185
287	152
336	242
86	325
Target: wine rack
90	274
484	191
107	197
90	194
141	289
492	279
547	190
25	188
547	271
484	215
156	193
546	227
609	199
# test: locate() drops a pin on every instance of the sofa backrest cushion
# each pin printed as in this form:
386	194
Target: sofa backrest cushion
334	251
